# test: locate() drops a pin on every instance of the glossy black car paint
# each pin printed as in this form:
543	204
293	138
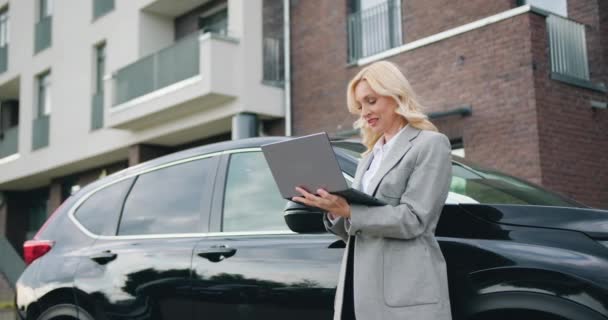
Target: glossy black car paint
503	260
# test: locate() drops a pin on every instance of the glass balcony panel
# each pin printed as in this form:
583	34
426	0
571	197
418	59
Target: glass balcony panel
3	58
101	7
40	137
43	34
9	142
97	111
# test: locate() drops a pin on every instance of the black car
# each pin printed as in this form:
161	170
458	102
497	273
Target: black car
204	234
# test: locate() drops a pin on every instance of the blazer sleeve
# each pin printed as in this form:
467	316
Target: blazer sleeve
421	203
337	227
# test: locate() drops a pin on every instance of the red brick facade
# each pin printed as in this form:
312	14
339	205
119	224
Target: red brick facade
522	122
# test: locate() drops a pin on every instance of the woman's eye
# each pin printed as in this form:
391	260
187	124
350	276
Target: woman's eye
371	101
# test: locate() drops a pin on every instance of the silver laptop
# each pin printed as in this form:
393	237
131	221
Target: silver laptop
309	162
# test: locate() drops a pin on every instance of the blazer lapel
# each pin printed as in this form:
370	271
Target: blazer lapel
361	168
398	150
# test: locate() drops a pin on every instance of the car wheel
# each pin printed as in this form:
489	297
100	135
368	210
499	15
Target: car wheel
516	314
65	311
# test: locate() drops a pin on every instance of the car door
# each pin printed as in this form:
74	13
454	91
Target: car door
140	267
251	266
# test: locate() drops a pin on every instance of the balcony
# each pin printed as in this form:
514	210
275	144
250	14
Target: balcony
568	52
373	30
170	8
9	142
193	73
43	34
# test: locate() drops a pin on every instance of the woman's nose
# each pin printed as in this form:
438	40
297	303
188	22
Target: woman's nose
364	111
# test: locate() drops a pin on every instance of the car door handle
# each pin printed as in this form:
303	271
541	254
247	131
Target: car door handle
103	257
216	253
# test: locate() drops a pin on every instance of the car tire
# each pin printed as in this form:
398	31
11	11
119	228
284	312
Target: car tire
516	314
62	311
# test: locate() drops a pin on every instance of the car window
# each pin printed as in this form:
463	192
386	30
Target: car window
476	185
252	201
169	200
99	213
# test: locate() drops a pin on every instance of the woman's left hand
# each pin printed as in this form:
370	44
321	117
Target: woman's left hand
336	205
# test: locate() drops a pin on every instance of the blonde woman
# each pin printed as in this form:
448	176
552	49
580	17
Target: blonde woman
393	267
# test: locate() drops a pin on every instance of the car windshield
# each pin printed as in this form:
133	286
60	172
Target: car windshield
473	184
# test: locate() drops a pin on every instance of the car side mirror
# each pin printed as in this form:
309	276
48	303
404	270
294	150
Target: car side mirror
303	219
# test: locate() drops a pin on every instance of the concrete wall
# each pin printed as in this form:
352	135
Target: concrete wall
129	33
573	137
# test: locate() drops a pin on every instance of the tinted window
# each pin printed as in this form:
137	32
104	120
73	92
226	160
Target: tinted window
169	200
252	201
100	212
485	186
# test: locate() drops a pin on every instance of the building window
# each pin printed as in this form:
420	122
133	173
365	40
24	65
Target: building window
45	9
373	26
4	39
4	35
98	100
457	147
102	7
42	30
215	20
559	7
100	66
9	115
44	94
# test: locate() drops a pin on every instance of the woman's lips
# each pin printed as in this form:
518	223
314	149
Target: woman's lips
372	122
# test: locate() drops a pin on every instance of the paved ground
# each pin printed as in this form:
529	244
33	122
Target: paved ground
6	299
7	315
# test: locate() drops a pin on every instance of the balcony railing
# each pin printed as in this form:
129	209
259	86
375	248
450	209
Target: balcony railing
178	62
374	30
273	61
97	111
9	141
568	48
43	34
40	136
3	58
101	7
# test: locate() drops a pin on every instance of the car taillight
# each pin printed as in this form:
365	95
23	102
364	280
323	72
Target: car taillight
34	249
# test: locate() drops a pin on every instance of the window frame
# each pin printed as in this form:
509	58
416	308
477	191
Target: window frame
366	38
5	38
45	9
122	201
205	214
100	67
44	86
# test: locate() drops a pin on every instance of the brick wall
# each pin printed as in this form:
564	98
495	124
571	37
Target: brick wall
573	137
489	68
587	12
523	122
422	18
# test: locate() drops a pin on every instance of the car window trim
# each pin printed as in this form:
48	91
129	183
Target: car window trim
218	192
132	175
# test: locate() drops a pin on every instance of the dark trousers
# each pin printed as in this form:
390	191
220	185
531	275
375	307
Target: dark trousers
348	301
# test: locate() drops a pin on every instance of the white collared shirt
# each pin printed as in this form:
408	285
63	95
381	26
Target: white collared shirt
379	151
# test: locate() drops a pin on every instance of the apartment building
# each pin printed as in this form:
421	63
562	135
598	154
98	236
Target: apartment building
91	87
516	85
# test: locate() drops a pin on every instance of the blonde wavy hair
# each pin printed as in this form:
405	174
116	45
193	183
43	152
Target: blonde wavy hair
386	79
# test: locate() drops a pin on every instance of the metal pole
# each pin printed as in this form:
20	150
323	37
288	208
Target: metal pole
287	66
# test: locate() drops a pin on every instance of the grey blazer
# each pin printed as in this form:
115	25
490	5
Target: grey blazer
399	270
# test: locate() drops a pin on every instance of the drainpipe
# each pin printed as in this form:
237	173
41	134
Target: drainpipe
287	66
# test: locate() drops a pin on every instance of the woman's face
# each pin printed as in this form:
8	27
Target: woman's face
377	111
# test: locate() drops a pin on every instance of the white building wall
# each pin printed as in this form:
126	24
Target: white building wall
129	33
